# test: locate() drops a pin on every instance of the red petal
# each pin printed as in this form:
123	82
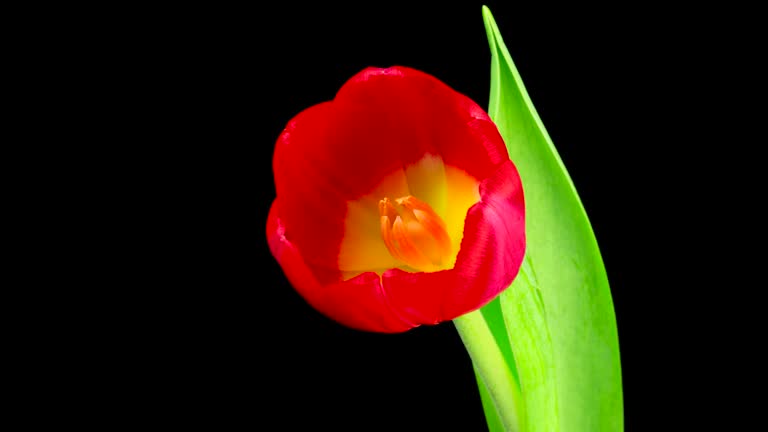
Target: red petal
409	109
358	303
491	253
311	205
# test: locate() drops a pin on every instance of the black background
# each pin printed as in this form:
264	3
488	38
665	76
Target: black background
210	331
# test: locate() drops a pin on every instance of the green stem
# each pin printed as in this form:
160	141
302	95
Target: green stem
489	363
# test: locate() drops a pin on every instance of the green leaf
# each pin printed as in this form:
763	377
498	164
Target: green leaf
528	331
495	321
558	312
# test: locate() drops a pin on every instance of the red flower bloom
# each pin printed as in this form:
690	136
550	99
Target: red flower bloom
397	204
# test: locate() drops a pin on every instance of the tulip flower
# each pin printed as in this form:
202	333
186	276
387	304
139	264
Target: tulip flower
397	204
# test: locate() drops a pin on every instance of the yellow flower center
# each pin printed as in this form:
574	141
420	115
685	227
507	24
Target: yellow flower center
414	234
414	238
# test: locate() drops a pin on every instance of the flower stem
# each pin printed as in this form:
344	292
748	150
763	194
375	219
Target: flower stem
489	363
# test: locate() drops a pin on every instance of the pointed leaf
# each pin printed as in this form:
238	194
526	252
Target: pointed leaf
559	311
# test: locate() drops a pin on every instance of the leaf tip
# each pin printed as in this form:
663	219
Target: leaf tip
487	12
489	22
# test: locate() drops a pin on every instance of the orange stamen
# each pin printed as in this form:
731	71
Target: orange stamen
414	234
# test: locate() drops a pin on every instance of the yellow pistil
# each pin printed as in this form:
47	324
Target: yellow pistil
414	234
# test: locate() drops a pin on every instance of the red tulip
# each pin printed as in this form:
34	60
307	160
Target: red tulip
397	204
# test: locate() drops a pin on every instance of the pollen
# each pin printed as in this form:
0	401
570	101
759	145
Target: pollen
414	234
